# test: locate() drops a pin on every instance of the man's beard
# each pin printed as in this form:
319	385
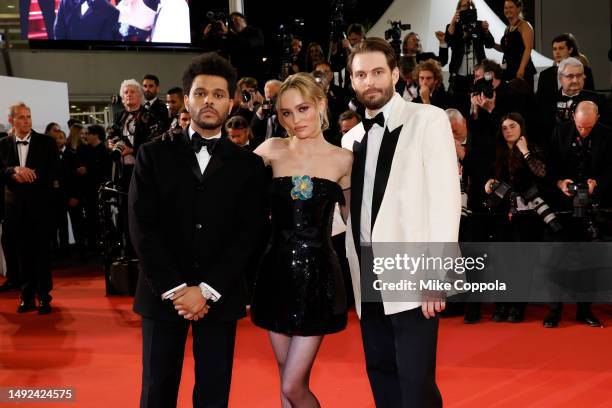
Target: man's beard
208	125
378	102
149	95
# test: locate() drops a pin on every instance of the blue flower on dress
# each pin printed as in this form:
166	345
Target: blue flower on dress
302	187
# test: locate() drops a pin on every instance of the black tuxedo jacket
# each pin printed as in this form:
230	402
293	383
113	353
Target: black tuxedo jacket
43	159
160	111
68	184
191	228
100	22
548	86
560	162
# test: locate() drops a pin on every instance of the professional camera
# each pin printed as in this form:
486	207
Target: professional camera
484	85
565	111
499	191
120	143
246	96
267	108
216	19
394	34
542	209
468	20
582	200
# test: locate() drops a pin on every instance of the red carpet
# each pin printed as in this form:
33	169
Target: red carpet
92	344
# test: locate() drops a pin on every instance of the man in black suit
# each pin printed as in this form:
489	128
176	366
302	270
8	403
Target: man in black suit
150	85
579	153
195	238
571	74
29	163
265	122
563	46
86	20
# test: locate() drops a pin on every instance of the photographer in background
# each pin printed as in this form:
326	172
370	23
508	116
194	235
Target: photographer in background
265	123
467	38
580	166
132	127
247	98
244	44
563	46
571	75
239	132
514	197
95	171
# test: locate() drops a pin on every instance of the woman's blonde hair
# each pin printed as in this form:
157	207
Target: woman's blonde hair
310	90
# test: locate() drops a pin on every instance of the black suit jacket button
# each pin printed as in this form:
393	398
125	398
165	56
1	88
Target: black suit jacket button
198	226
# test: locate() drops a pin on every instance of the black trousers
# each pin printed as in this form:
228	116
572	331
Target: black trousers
27	243
400	353
162	361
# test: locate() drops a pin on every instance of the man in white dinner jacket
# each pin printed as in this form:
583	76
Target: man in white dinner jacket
404	189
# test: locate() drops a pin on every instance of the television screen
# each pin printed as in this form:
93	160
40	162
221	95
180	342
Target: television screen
128	21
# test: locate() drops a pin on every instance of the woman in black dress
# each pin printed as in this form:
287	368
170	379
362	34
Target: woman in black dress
299	291
516	44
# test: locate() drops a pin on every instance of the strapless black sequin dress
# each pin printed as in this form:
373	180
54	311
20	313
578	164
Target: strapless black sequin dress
299	288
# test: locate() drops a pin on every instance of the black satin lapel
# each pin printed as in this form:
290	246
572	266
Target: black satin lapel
189	156
357	175
217	158
32	152
383	168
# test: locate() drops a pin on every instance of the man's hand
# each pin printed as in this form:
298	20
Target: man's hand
190	303
81	171
24	175
485	26
484	102
440	36
127	151
73	202
430	308
592	184
487	187
562	185
424	92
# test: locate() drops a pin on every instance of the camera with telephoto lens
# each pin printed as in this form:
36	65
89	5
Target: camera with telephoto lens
267	108
394	35
549	217
499	191
484	85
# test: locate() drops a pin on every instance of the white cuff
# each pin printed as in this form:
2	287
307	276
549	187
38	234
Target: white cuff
209	293
170	294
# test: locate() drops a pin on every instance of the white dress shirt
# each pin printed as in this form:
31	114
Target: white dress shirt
375	136
207	291
203	156
22	149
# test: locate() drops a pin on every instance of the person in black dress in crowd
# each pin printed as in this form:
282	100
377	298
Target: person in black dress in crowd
299	292
516	44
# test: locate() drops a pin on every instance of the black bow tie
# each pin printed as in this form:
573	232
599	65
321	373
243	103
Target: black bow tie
378	119
198	142
23	142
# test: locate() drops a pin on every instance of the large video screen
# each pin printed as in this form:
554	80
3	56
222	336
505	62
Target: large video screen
129	21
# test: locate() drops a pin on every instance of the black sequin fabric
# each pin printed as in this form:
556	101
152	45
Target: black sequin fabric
299	288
